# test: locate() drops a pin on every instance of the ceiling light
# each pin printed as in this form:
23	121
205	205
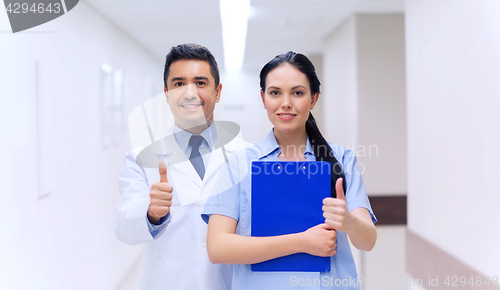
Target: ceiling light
234	16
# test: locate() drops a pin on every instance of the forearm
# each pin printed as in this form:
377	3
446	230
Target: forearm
227	248
362	233
130	225
224	246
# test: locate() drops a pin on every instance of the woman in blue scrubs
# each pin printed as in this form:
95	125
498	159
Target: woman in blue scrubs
289	90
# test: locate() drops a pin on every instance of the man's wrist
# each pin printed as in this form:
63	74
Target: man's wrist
153	220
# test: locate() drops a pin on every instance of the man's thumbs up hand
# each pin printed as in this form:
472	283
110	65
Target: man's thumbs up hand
163	171
160	196
335	210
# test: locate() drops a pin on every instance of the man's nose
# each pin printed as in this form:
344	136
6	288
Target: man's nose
191	92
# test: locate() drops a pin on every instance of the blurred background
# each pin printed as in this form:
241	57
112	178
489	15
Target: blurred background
412	87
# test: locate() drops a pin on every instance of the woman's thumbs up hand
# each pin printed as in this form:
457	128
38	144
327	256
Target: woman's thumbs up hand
335	210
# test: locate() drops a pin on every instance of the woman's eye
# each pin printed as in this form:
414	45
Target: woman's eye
298	93
274	93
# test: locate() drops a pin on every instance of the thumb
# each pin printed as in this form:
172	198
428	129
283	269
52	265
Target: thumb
324	226
163	171
339	189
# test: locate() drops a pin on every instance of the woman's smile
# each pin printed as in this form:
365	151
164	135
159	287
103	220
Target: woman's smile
286	116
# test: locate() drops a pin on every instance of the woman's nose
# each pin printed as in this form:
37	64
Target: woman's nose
286	104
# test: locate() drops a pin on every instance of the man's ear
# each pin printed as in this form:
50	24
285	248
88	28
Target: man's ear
219	90
262	97
314	100
166	93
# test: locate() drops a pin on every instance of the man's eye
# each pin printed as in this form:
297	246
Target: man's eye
178	84
200	83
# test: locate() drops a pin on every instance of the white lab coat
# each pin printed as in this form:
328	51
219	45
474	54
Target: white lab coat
177	258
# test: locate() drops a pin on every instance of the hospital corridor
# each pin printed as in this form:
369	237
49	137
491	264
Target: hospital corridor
410	87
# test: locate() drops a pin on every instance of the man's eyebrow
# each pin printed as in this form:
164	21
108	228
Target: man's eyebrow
183	79
177	79
201	78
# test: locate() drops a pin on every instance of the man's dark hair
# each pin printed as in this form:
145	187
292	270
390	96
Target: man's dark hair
190	51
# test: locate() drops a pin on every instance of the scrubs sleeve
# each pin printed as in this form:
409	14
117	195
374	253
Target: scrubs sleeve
226	203
356	193
225	198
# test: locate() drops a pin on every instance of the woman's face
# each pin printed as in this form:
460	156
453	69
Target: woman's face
287	98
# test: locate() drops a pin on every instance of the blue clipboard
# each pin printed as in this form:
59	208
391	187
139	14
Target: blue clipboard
287	197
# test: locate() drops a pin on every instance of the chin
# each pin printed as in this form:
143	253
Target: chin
285	129
192	122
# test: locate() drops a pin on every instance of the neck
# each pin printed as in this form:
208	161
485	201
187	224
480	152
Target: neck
292	144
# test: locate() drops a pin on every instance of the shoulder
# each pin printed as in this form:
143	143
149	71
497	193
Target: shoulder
249	152
131	156
257	149
342	154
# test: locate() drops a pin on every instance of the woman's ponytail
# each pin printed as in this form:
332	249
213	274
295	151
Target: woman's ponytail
323	152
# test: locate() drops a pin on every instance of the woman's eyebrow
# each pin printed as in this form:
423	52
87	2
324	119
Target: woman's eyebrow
296	87
271	87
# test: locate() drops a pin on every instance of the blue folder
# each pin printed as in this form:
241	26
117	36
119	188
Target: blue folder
287	197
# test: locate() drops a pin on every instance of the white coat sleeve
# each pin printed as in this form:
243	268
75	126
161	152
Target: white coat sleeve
130	221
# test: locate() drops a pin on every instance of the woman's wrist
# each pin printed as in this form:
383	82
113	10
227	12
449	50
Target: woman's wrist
298	242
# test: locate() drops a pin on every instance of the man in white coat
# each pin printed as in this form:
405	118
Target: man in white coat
161	207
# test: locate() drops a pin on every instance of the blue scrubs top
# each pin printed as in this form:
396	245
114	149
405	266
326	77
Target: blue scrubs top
236	203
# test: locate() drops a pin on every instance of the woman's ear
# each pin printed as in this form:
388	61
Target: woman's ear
314	100
262	96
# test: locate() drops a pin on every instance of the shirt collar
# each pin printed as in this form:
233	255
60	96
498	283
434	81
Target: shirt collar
270	146
182	136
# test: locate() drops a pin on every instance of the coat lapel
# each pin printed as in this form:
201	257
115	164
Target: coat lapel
187	183
169	149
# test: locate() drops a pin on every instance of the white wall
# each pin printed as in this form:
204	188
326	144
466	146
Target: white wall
364	95
64	240
453	64
382	102
365	111
317	112
340	90
241	103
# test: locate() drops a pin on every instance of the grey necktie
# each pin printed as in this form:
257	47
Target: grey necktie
195	156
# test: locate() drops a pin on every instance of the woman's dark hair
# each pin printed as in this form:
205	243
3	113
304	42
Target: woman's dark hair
191	51
319	145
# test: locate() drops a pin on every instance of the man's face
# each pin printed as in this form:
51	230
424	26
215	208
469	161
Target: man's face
192	94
